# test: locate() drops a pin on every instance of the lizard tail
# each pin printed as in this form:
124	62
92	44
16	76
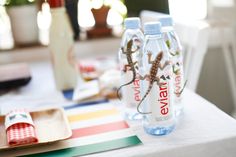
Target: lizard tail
118	90
144	97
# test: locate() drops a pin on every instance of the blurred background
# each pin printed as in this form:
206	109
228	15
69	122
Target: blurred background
25	24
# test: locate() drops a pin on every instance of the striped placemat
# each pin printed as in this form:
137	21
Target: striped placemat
96	128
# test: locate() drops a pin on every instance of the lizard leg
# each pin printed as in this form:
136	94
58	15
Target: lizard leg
165	64
126	68
123	50
134	63
150	57
135	50
157	79
132	66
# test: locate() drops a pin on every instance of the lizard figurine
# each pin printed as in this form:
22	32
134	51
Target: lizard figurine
130	64
156	64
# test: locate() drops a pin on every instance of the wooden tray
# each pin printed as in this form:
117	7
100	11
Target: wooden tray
51	125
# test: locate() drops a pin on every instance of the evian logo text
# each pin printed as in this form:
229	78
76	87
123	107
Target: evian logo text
136	87
164	99
177	84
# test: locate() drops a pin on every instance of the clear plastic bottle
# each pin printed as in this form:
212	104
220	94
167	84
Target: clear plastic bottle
175	51
157	87
62	47
130	55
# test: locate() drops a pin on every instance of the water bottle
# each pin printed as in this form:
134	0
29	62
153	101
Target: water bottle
62	47
156	99
130	55
175	51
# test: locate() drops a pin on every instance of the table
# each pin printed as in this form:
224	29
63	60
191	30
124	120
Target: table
203	130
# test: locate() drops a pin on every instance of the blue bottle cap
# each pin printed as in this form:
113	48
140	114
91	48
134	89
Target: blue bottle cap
132	23
166	21
152	28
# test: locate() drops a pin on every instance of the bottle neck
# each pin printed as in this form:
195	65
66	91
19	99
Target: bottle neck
131	33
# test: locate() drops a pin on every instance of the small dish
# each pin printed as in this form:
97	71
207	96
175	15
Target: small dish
51	125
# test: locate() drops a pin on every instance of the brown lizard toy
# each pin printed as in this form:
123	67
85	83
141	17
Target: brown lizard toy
152	75
130	64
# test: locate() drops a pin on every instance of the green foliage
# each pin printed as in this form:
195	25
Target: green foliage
19	2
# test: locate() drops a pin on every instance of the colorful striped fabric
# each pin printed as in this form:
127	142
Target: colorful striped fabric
96	128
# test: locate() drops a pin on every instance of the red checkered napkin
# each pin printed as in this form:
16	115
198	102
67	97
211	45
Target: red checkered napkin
20	128
21	133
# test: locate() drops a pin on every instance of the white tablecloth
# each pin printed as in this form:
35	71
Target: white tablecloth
203	130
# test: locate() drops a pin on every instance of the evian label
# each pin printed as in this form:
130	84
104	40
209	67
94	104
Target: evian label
131	93
160	103
136	89
164	99
177	84
177	80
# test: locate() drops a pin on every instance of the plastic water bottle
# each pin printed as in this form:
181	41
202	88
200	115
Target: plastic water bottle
175	51
157	87
130	55
62	47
